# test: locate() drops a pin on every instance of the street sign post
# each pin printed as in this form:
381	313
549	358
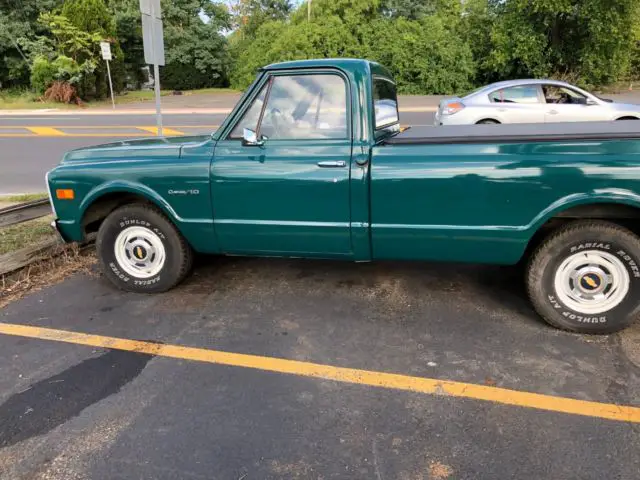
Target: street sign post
153	41
105	47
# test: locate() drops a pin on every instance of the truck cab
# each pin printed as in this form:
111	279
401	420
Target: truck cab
312	162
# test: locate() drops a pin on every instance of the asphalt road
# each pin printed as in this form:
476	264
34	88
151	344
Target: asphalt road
94	412
25	156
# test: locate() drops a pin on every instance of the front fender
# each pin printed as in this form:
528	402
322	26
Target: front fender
198	232
121	186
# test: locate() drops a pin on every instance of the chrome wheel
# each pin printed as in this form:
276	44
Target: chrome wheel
140	252
592	282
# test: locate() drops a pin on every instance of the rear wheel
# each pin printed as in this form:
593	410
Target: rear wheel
586	278
140	250
488	122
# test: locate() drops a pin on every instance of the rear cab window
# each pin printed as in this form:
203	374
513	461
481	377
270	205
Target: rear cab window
385	102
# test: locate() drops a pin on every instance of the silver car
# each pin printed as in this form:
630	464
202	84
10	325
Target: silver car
531	101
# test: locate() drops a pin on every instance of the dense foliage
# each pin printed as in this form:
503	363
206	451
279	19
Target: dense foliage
431	46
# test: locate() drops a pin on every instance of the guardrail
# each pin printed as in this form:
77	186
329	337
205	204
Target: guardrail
15	214
25	211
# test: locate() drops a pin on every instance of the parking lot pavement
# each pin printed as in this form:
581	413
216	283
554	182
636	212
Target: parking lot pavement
148	408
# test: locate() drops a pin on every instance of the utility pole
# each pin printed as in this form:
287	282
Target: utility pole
308	10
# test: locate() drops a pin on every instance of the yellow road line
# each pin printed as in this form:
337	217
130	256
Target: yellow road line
165	130
429	386
46	131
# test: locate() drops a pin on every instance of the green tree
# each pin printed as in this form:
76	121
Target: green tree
588	41
415	9
423	54
19	26
195	49
128	28
93	17
249	15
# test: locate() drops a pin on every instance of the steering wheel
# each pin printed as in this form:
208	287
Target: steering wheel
279	123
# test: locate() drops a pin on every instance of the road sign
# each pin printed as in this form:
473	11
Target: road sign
152	32
153	41
105	47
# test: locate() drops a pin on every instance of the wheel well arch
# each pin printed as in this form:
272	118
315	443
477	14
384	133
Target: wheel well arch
628	117
622	214
100	207
488	119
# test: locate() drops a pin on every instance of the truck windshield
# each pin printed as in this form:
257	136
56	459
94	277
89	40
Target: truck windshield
385	102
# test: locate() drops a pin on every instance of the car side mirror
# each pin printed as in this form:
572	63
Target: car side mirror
250	138
591	101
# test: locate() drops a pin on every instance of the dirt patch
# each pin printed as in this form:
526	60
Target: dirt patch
439	471
44	273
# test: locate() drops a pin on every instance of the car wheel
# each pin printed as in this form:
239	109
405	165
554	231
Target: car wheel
585	278
488	122
140	250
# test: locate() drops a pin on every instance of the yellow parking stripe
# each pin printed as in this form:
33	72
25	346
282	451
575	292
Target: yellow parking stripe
428	386
165	130
47	131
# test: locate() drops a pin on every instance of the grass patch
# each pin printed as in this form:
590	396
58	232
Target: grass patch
141	96
25	234
26	197
26	99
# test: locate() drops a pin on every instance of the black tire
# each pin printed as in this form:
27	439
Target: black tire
582	236
488	122
178	254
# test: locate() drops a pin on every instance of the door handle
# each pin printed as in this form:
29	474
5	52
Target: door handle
552	112
332	164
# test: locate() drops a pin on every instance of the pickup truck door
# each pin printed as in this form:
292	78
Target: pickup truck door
287	193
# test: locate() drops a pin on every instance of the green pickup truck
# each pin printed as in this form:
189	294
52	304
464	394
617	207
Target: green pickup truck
312	162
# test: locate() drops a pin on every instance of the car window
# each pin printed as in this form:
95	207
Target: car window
519	94
251	116
559	94
385	102
306	107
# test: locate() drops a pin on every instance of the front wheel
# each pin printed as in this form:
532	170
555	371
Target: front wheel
585	278
141	251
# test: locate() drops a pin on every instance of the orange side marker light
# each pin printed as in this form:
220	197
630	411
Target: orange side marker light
65	194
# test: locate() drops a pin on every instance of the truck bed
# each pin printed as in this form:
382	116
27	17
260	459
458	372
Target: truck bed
517	133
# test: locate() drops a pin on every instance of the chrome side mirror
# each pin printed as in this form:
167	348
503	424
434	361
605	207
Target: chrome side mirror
250	138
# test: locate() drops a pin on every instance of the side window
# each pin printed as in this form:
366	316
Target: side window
385	102
519	94
558	94
251	116
306	107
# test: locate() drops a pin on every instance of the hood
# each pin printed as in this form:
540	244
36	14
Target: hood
126	150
